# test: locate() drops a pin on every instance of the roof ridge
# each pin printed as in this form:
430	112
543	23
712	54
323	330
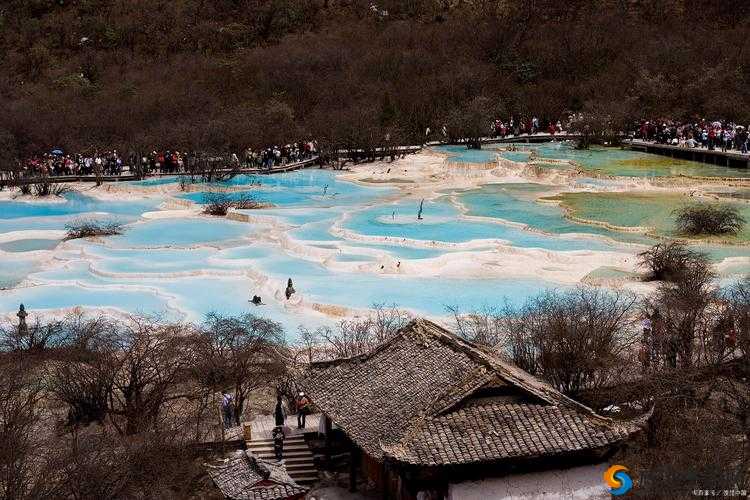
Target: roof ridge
425	329
500	365
491	360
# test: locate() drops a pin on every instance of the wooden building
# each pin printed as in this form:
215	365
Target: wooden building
428	409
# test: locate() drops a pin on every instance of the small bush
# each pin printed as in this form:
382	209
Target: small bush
667	261
85	228
220	203
709	219
25	188
46	188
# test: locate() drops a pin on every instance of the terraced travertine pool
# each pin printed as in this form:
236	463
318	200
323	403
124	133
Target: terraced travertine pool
347	245
612	161
656	211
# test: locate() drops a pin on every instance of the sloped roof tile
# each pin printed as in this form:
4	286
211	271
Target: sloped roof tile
405	400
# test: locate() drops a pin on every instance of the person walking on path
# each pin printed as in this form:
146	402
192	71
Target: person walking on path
279	413
277	434
226	409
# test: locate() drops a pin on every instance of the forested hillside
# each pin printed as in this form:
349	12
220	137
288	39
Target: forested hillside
220	74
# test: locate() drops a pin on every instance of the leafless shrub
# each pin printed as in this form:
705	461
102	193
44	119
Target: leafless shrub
22	425
697	448
702	218
97	464
45	188
220	203
666	261
86	228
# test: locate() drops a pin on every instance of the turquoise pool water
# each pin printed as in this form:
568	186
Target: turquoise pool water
441	222
12	272
308	188
189	266
610	161
181	232
623	162
425	295
37	223
59	296
75	204
28	245
21	216
517	203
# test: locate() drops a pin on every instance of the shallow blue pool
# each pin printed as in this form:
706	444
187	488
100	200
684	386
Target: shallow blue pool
442	222
75	203
181	232
68	296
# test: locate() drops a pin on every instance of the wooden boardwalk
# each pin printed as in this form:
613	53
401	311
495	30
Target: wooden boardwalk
125	177
714	157
525	138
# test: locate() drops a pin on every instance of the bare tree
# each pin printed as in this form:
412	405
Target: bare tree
687	314
37	337
575	339
23	429
471	121
484	326
82	377
242	353
360	335
737	298
152	360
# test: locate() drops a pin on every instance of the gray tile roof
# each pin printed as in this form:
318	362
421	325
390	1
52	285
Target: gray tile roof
246	477
492	432
418	399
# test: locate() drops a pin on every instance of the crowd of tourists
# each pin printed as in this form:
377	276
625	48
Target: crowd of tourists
114	163
523	126
711	135
279	155
57	163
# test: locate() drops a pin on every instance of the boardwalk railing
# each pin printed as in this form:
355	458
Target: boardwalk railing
715	156
132	177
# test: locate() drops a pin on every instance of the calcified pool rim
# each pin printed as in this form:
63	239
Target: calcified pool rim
342	263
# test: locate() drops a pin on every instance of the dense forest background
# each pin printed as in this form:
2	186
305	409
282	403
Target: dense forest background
227	74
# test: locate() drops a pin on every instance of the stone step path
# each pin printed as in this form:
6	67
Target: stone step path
296	456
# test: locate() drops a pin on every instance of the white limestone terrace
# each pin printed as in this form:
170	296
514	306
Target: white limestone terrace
347	239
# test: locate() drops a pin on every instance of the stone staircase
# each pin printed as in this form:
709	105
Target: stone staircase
297	457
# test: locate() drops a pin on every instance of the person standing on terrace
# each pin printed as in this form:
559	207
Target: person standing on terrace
303	408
